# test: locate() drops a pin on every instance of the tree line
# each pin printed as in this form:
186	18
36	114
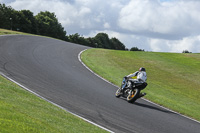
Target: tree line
46	24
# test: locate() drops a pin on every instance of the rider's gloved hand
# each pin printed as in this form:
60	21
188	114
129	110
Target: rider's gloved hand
126	77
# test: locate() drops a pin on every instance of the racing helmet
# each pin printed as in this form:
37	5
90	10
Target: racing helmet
142	69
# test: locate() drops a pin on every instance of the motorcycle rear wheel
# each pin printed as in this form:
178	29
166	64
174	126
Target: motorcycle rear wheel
118	93
133	95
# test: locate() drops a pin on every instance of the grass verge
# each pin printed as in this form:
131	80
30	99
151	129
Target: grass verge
8	32
173	78
21	112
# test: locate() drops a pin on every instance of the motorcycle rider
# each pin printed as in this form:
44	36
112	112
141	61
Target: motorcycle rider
141	78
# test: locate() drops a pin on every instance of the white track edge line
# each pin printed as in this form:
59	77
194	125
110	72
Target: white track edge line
55	103
79	56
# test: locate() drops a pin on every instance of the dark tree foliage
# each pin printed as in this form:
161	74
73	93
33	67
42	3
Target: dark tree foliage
17	20
186	51
76	38
136	49
46	23
25	22
101	40
6	16
117	44
91	42
28	22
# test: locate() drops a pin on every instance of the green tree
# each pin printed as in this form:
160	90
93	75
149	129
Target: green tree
136	49
6	16
48	25
21	22
91	42
76	38
117	44
186	51
27	21
17	20
102	40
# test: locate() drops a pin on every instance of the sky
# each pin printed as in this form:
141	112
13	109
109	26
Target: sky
152	25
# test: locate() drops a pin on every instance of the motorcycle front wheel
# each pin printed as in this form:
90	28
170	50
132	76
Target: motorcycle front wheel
133	95
118	93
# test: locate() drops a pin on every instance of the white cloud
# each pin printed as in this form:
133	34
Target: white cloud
153	25
168	20
191	43
106	25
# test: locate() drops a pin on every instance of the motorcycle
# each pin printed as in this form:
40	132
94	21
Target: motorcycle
131	93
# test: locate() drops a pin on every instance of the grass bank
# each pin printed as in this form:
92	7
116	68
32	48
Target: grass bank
8	32
23	112
173	78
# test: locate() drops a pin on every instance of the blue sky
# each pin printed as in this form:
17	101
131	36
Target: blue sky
153	25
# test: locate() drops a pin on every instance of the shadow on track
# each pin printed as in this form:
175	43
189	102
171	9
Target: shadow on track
150	107
153	107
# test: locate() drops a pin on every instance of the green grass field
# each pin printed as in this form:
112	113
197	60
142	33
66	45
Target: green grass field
23	112
173	78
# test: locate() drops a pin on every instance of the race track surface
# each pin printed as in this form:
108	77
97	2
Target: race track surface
51	68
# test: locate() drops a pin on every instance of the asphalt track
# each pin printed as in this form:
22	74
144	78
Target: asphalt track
51	69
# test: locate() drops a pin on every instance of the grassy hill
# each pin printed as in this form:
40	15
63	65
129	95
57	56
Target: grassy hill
173	78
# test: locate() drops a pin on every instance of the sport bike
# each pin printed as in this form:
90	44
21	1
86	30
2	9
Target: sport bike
131	93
